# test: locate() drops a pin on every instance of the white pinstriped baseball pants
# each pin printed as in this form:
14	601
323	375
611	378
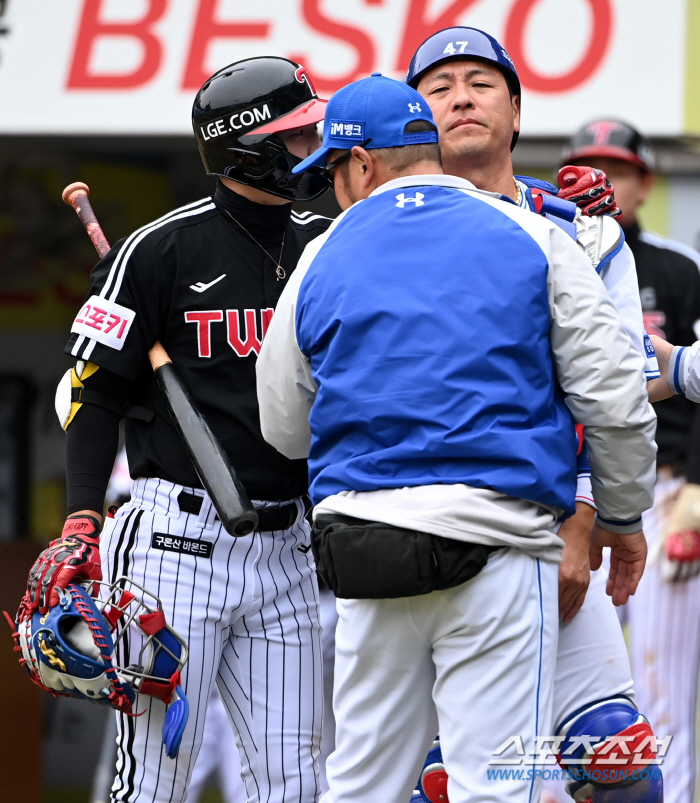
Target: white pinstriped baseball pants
664	621
249	614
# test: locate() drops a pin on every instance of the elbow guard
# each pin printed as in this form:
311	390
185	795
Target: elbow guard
72	393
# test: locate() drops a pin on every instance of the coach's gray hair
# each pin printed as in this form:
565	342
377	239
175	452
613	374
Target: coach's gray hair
400	158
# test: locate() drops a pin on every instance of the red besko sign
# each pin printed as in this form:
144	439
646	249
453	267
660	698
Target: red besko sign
133	66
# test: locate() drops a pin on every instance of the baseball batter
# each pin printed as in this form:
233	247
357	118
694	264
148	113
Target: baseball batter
413	439
204	280
474	93
664	615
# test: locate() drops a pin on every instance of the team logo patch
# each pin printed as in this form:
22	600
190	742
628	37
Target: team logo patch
104	321
186	546
649	346
347	129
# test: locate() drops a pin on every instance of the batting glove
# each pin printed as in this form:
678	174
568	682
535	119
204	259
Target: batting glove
681	552
589	189
72	557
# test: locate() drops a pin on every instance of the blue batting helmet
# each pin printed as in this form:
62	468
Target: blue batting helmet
463	42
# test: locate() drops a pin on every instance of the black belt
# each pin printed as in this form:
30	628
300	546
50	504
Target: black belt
270	519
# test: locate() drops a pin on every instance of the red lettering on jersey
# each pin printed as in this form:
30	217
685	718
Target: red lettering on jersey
653	321
251	343
92	28
204	320
112	322
87	309
266	315
96	318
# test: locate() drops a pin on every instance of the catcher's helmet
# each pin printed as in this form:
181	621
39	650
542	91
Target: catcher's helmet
613	139
467	43
71	650
237	115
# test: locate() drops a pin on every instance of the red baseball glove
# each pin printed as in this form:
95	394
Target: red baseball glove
72	557
681	548
589	189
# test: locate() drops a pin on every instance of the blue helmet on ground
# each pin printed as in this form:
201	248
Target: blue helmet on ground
468	43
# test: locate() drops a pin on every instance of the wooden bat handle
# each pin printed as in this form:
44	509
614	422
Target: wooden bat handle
158	356
76	195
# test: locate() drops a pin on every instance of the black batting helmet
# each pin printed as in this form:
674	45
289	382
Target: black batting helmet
613	139
237	115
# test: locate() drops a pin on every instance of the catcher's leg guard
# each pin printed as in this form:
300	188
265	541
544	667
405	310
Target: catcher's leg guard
618	743
432	785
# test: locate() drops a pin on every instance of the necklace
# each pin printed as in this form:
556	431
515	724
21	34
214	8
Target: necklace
279	270
518	194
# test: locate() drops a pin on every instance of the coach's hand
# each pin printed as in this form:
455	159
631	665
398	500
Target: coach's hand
73	556
574	569
628	554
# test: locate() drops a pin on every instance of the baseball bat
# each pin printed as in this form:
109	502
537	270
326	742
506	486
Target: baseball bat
211	463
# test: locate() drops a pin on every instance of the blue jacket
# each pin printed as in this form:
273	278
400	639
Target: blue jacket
416	389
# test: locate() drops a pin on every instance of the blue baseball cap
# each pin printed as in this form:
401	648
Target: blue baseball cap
373	113
461	42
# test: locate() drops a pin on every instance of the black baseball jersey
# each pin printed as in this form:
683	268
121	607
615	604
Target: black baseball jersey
198	281
669	286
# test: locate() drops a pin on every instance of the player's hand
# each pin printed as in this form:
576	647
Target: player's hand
589	189
628	554
681	553
73	556
574	569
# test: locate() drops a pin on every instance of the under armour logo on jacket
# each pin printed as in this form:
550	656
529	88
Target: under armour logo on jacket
414	107
403	200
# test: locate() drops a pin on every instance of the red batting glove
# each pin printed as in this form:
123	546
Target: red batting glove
73	556
589	189
681	559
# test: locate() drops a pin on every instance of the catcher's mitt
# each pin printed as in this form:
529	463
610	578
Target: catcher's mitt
70	651
74	556
681	549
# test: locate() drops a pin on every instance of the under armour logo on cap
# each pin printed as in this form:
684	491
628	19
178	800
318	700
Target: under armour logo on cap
414	107
403	200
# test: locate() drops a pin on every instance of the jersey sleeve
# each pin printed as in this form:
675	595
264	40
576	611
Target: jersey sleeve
118	322
286	387
601	377
620	280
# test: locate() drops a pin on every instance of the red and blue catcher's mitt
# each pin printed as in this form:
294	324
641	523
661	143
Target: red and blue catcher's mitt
73	556
589	189
72	650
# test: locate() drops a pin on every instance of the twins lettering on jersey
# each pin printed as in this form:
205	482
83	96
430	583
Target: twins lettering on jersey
104	321
245	342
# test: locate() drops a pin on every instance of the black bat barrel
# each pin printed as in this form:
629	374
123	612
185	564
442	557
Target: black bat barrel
215	471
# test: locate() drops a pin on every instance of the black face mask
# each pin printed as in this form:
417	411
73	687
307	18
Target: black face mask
269	168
